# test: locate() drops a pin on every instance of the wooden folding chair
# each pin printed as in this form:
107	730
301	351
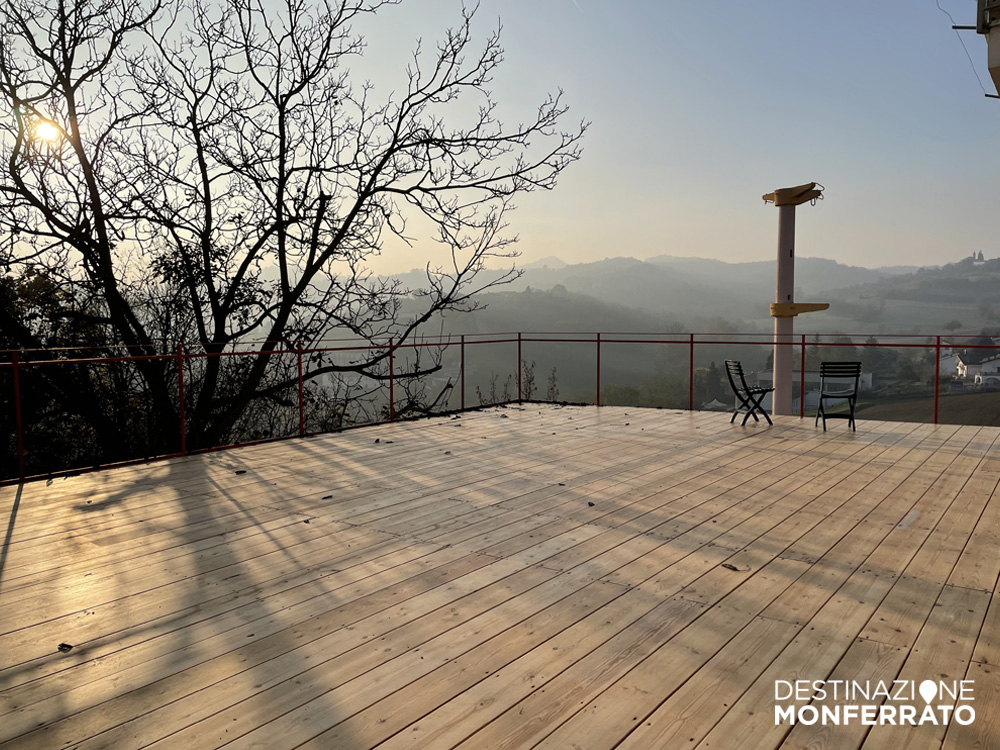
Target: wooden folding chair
846	376
750	397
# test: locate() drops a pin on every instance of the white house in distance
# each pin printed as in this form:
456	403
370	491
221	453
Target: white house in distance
969	363
967	366
989	373
948	365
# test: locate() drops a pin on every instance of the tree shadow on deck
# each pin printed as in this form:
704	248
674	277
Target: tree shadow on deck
191	594
9	535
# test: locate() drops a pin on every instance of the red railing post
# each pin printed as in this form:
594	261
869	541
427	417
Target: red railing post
937	375
691	373
598	369
302	405
180	394
392	394
17	418
519	399
802	380
462	371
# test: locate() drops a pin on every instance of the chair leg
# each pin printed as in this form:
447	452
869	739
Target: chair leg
751	406
759	407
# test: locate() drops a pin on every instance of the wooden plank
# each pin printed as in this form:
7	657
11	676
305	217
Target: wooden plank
867	663
749	722
530	719
648	565
172	564
299	707
479	705
102	629
822	523
886	503
401	708
979	565
382	570
942	652
110	648
608	561
678	479
338	575
902	614
189	464
252	457
984	731
691	462
814	653
214	565
124	550
987	651
324	730
80	713
683	706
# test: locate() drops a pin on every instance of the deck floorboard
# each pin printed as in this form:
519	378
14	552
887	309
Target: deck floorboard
522	577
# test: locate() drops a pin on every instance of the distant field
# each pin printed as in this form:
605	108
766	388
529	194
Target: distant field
969	408
898	316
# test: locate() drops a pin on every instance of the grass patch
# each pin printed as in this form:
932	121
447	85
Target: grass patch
961	408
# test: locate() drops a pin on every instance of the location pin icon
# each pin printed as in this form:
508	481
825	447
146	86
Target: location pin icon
928	690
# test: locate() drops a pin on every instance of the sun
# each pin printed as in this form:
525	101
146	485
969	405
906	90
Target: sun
46	131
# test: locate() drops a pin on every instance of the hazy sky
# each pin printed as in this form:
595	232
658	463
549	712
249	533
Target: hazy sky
699	108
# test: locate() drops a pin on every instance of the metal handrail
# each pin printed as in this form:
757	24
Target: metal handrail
21	360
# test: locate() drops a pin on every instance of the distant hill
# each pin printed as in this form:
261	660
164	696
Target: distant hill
559	310
654	288
680	289
556	309
549	262
692	292
897	270
812	275
928	299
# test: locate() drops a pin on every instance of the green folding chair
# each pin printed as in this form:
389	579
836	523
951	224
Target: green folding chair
845	377
750	396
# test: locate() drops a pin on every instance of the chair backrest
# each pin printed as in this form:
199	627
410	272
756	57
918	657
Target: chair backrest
734	369
841	371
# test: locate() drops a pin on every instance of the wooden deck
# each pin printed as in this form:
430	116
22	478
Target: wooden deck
526	577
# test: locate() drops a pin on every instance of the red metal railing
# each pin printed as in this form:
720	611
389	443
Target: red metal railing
18	363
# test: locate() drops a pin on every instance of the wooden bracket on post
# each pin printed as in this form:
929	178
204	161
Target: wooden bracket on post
791	309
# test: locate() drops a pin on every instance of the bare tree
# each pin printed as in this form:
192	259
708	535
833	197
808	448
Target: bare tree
208	172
